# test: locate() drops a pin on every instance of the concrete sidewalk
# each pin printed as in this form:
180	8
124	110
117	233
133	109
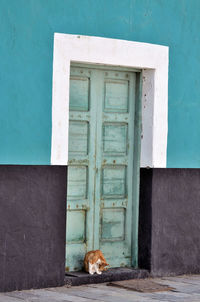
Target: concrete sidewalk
186	288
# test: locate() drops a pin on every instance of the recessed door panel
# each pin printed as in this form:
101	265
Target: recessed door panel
113	181
77	182
76	223
78	132
115	138
113	224
116	95
79	93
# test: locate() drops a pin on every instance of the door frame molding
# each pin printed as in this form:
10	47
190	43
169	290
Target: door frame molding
150	58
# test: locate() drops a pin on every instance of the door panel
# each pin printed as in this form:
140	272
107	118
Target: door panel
80	187
114	138
115	166
112	224
100	173
113	182
116	96
77	182
79	93
78	132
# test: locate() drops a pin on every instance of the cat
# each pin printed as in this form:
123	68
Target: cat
94	262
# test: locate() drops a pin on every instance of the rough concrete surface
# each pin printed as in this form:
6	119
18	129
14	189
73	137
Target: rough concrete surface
186	288
32	226
113	274
169	228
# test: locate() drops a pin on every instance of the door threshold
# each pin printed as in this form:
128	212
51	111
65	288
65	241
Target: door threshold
112	274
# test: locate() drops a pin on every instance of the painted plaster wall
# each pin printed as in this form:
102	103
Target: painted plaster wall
169	241
26	52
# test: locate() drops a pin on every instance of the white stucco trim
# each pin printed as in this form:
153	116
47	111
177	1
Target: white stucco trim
151	58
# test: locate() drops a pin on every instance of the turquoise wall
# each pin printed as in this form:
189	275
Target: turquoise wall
26	53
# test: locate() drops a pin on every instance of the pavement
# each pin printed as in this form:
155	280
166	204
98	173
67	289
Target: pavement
185	288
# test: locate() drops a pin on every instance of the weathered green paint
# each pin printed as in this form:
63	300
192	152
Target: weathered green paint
81	173
103	166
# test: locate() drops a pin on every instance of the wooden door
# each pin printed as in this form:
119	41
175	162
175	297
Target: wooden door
100	193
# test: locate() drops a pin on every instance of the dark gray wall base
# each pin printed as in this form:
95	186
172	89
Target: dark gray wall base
33	219
32	226
169	227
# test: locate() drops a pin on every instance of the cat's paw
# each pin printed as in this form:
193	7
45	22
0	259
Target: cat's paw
99	273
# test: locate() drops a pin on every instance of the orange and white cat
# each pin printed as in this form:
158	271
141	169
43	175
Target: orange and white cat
94	262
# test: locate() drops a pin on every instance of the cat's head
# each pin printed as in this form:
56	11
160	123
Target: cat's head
102	266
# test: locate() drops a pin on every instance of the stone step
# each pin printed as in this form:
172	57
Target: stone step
113	274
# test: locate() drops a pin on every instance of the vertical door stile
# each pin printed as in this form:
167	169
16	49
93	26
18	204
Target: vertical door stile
92	164
98	102
136	167
130	152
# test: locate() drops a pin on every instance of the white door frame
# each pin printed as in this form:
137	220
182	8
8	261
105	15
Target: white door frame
151	58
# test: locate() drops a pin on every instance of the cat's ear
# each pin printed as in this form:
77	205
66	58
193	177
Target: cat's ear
104	263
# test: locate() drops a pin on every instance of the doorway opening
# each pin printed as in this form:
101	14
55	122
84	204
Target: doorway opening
103	164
